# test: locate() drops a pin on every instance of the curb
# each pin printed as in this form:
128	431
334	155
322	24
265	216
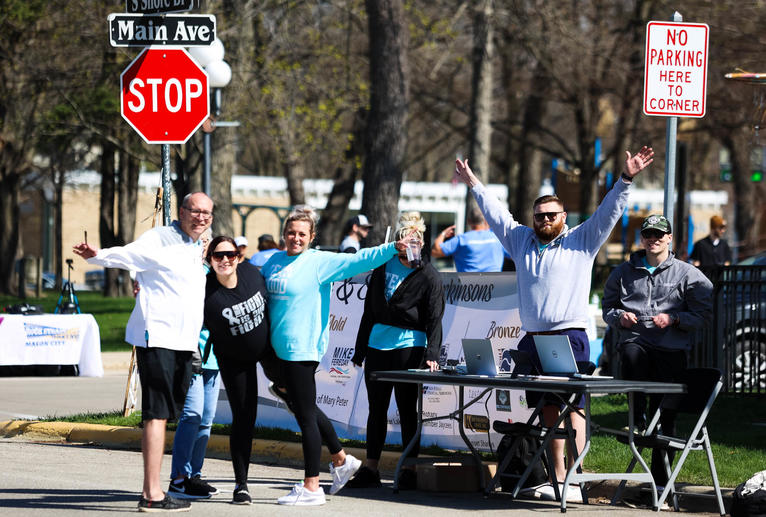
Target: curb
694	499
119	437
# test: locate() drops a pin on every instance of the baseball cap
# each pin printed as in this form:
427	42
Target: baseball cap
656	222
361	220
240	241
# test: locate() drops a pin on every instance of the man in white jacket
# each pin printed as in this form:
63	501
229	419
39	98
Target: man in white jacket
164	326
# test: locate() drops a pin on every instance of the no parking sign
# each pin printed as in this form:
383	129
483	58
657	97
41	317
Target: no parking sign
675	73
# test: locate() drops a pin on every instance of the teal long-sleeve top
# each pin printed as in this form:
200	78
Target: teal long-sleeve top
299	296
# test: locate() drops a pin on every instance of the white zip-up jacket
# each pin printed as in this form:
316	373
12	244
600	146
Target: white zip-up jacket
169	306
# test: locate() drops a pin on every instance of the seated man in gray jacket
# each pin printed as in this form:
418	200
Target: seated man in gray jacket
655	302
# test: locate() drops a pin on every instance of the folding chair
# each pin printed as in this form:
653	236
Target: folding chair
702	388
531	428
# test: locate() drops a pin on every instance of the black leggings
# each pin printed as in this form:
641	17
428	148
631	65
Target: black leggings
273	369
645	363
301	387
379	397
241	381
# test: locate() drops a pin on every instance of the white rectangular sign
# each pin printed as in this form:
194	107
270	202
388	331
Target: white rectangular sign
675	73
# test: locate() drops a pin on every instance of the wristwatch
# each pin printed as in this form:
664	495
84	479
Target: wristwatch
626	177
674	320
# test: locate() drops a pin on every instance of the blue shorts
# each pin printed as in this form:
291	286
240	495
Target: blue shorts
578	340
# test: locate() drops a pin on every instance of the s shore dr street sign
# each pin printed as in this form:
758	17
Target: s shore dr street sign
158	6
675	73
139	30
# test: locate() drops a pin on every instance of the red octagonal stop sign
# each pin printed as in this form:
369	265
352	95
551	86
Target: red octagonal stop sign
164	95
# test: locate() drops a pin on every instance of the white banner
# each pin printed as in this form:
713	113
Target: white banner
478	305
52	339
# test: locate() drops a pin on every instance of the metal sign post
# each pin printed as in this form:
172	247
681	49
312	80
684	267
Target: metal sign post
675	79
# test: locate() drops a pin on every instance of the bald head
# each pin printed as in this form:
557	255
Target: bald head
196	214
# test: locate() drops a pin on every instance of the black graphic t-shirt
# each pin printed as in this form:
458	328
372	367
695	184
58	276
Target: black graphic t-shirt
237	318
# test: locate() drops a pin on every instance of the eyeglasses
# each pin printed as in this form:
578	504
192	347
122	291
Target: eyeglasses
219	255
550	216
202	214
652	234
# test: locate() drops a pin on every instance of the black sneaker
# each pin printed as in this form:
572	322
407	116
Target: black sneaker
187	490
241	495
408	480
201	485
168	504
365	478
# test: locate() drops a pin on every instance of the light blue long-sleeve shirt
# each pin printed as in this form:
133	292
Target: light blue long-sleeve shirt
299	296
554	282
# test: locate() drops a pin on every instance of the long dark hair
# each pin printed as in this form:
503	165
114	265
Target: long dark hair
214	244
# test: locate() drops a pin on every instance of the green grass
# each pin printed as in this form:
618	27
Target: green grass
111	314
738	446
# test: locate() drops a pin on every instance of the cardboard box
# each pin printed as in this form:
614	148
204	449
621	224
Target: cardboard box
460	475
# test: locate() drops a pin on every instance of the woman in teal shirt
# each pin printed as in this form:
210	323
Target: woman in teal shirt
298	282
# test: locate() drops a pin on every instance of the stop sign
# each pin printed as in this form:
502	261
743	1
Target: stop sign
164	95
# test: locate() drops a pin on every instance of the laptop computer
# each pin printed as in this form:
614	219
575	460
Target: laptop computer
555	353
479	357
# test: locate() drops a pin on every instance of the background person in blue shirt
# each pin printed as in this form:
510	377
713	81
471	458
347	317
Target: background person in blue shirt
298	281
477	250
401	328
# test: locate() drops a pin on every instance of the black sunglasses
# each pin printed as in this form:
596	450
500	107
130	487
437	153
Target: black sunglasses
542	216
218	255
652	234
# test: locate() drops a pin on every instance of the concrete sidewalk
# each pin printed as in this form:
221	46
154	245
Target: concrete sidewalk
26	399
696	499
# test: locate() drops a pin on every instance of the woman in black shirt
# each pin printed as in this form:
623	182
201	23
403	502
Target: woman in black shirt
235	314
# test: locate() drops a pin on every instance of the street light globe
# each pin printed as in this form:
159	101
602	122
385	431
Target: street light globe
206	55
219	73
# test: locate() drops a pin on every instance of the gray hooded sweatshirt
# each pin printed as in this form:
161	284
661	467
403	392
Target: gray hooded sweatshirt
675	288
554	283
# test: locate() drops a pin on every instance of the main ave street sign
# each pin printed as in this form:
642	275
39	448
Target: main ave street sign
138	30
164	95
158	6
675	73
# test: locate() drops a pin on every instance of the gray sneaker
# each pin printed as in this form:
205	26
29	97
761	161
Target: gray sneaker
168	504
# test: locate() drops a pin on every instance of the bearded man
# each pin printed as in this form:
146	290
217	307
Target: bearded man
553	270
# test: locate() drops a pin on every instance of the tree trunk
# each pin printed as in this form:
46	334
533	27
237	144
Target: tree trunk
9	229
223	165
480	123
58	220
529	157
334	215
127	198
386	134
106	222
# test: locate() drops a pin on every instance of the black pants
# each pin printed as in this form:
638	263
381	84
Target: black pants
302	392
379	397
273	369
645	363
241	381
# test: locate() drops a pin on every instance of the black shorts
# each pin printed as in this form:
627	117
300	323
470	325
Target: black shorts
165	377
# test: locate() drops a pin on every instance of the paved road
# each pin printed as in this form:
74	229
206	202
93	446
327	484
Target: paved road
62	480
39	397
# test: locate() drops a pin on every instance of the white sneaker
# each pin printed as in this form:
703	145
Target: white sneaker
545	493
341	475
302	496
